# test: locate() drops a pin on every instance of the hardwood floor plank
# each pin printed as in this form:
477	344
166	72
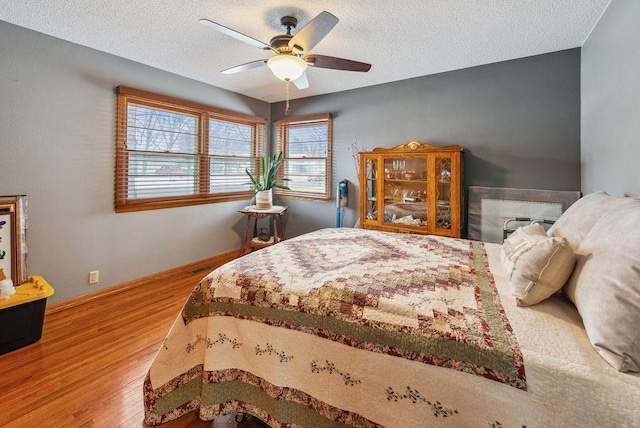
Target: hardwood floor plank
89	366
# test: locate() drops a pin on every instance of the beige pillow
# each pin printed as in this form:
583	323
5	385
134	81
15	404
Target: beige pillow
605	285
537	265
579	218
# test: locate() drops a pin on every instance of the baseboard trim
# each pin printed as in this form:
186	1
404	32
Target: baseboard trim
192	268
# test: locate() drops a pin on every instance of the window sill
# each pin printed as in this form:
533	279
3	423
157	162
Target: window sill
141	205
303	196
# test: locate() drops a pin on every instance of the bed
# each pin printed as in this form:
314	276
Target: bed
352	327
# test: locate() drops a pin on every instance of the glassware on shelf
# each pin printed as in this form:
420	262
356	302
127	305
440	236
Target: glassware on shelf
396	170
410	175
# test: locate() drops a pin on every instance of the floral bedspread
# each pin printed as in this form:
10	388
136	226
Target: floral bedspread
344	327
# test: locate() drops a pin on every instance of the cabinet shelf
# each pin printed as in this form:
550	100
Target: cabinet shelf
396	180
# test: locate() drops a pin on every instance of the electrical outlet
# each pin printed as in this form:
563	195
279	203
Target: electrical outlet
94	275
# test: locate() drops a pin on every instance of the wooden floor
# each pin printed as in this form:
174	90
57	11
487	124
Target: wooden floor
89	366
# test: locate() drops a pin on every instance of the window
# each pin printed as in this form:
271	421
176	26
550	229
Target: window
172	152
306	144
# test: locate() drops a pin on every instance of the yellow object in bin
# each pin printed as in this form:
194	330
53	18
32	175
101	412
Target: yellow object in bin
35	288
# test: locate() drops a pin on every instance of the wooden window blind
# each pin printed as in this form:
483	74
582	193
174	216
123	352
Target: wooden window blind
306	142
172	152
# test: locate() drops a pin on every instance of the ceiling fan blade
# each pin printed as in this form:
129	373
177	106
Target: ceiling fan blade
243	67
311	34
302	82
323	61
235	34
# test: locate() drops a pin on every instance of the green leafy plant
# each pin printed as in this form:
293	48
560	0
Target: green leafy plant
268	179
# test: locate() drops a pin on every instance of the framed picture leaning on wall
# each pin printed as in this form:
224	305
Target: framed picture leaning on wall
13	237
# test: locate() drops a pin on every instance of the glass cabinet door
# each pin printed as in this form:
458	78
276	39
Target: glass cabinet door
371	173
443	193
405	191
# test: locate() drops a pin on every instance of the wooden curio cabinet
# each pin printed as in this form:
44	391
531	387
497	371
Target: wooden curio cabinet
414	187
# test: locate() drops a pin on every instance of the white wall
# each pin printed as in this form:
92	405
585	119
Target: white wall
57	146
610	125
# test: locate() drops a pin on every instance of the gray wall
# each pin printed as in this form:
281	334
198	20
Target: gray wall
611	102
57	136
519	122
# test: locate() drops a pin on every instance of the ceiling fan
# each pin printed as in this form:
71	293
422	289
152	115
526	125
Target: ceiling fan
289	61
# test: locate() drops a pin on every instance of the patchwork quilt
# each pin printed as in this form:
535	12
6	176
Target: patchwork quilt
350	327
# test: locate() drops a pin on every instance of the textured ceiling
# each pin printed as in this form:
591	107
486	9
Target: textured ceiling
401	39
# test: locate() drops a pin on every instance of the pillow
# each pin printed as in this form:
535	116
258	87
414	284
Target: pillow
579	218
537	265
605	285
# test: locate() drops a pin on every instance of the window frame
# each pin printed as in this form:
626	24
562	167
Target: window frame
204	113
281	127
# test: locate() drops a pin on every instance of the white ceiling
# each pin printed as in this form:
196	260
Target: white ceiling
401	39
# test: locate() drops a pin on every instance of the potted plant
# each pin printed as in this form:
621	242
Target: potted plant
264	184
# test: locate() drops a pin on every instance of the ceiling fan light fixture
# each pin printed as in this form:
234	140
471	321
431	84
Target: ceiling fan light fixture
287	67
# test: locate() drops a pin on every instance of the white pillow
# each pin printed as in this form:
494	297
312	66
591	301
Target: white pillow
576	222
605	285
537	265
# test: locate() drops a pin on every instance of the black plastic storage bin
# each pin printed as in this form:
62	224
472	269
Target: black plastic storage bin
22	315
21	325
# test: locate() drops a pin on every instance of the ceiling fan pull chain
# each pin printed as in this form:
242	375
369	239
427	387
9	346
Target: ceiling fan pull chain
286	110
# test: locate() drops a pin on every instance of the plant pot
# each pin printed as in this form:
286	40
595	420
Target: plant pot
264	199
